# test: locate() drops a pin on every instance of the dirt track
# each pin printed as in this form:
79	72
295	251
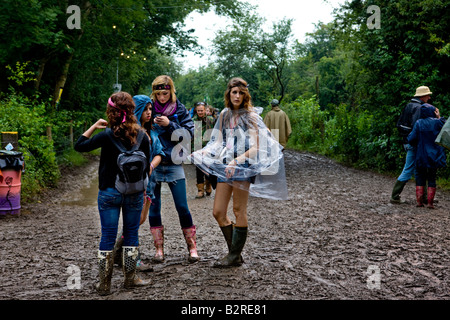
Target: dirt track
337	237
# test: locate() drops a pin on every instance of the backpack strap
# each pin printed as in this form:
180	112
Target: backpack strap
139	138
119	144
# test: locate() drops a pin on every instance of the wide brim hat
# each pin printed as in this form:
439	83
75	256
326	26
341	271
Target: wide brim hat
422	91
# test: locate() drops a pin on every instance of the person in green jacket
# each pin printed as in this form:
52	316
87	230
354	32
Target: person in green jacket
278	123
202	123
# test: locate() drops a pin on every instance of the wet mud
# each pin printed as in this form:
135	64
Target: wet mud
337	237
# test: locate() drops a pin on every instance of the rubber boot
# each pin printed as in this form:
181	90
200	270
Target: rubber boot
158	240
227	232
129	261
237	245
105	270
431	194
208	187
141	266
396	191
190	237
200	192
419	196
117	252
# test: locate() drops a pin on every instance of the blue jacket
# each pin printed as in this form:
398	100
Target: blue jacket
141	101
423	135
181	144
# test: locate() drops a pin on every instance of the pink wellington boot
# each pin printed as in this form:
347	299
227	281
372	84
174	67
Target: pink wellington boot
190	236
431	193
419	196
158	240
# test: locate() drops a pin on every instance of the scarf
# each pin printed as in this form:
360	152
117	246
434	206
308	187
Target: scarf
166	110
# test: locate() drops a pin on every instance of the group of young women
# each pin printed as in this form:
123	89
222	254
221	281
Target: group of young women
240	149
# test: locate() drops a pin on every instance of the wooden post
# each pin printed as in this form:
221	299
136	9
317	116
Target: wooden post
71	133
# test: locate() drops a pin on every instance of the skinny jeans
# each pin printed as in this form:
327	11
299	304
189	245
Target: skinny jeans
178	190
110	203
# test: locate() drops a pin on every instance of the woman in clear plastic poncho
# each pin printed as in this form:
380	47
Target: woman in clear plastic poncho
240	151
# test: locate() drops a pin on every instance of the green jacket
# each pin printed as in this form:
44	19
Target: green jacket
200	139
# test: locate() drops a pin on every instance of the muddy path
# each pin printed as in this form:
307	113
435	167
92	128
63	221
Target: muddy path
337	237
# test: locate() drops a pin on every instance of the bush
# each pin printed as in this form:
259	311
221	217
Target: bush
308	124
28	118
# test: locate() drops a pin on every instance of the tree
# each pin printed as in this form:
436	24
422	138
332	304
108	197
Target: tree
247	46
407	51
37	31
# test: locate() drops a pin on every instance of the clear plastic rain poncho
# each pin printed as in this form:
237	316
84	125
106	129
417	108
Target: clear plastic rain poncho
242	135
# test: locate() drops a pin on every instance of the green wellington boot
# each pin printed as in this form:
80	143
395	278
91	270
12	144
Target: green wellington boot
233	258
396	191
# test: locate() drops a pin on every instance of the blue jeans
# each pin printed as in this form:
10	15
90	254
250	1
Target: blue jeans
409	168
110	201
178	190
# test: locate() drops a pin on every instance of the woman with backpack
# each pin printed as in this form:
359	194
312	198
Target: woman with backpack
171	120
143	113
122	127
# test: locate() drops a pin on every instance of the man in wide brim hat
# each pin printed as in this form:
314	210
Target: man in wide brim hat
408	117
423	91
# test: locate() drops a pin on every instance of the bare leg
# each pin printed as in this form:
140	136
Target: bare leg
221	200
240	201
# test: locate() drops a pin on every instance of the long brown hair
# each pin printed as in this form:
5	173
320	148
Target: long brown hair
243	87
124	108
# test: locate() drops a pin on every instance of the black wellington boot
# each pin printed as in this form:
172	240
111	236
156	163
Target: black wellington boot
228	234
233	258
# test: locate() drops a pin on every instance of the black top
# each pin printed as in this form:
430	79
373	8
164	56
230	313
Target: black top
108	168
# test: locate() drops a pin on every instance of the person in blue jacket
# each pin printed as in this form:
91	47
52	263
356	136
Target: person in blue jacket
175	129
429	155
144	115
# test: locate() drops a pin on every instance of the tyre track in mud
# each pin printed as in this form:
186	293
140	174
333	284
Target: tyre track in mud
337	237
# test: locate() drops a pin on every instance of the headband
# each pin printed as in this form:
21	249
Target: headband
161	87
114	106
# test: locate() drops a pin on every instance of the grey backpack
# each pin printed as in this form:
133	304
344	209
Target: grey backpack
132	176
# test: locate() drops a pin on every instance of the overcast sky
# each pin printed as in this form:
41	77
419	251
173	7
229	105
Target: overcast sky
304	13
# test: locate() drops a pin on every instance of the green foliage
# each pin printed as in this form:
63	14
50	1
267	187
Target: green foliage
308	124
19	75
202	85
260	57
28	118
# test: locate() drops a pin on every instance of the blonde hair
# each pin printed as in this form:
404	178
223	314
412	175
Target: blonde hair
163	81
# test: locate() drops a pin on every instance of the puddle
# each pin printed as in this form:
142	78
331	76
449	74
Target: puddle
88	196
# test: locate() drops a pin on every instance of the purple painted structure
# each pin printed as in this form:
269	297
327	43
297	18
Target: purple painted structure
11	166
